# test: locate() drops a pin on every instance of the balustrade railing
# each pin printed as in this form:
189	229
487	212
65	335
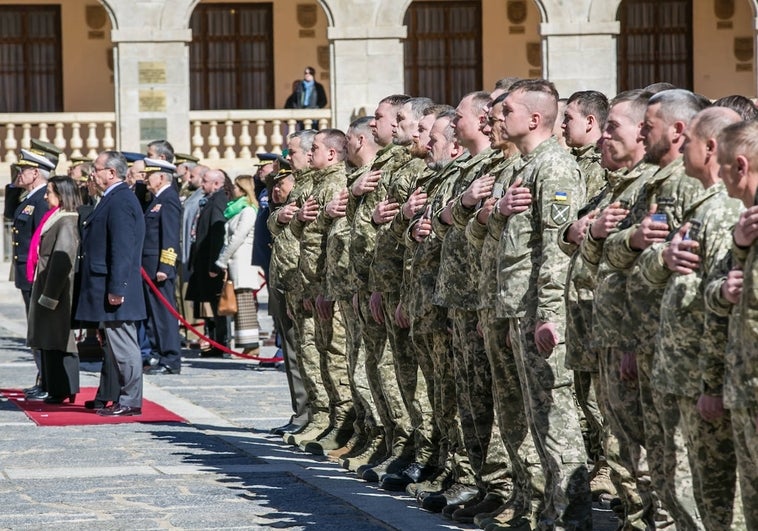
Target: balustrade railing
214	135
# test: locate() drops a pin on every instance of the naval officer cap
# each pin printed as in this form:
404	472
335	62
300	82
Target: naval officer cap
158	165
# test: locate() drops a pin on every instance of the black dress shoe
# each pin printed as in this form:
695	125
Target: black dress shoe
413	473
38	395
117	410
33	389
60	399
94	404
162	369
458	494
287	428
212	353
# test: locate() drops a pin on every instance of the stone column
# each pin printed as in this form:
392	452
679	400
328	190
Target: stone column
577	55
367	65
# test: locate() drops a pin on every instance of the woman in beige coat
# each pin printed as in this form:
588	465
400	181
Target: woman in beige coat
236	256
52	292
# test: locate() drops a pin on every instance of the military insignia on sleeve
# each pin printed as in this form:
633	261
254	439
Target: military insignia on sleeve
559	213
168	256
695	227
28	210
561	196
156	208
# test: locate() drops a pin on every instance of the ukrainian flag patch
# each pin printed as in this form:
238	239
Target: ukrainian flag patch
561	196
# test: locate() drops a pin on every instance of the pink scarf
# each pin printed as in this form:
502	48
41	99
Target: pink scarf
33	258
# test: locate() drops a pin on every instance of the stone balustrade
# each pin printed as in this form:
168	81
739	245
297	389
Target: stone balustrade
223	135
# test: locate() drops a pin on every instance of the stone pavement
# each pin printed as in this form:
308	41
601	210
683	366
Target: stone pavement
220	470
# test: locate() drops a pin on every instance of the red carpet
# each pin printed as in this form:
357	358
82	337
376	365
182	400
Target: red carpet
76	415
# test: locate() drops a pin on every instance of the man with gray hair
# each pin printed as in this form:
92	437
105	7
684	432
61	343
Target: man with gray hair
111	286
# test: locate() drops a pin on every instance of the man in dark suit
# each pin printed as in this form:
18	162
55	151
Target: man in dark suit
32	172
205	281
163	219
111	285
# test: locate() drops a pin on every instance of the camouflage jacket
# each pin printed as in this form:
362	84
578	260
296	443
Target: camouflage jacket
531	267
361	209
588	159
285	251
426	317
674	193
609	306
681	356
338	271
741	385
386	273
484	240
455	287
313	235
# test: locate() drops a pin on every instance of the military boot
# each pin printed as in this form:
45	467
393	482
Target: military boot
393	463
374	452
601	485
514	510
358	440
437	483
315	428
331	440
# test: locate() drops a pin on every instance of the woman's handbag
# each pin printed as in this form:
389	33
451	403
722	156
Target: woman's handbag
227	302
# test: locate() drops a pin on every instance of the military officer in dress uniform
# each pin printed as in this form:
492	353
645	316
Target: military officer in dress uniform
32	172
163	219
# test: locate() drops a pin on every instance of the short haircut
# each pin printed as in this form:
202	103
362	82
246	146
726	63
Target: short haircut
480	99
660	86
68	192
740	138
709	122
547	97
395	100
437	109
164	148
310	70
740	104
449	130
306	137
678	105
418	106
116	161
505	83
361	125
637	99
336	140
591	103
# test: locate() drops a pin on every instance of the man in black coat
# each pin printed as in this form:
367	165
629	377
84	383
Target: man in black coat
205	282
111	284
32	172
163	218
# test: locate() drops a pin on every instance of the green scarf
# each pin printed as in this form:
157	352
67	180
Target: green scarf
235	207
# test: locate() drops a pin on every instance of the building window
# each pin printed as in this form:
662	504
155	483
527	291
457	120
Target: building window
30	58
443	51
655	43
231	56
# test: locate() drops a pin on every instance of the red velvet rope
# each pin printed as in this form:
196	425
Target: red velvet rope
176	314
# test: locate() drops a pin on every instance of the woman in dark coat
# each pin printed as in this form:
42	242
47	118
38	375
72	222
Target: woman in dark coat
52	291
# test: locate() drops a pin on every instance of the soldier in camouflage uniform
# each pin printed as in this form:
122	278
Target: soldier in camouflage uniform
547	192
454	290
308	356
364	195
734	290
385	279
311	226
429	327
684	366
625	444
361	150
583	124
483	235
660	206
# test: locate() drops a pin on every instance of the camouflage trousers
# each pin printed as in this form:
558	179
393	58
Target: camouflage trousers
437	345
666	454
710	450
510	411
624	440
363	402
745	429
331	344
380	368
308	358
473	389
554	422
